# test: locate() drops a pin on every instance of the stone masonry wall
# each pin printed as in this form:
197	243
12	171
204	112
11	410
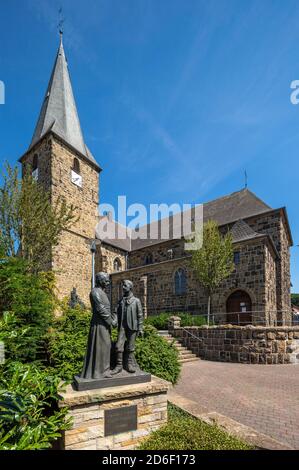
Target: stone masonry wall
158	279
159	252
71	259
105	257
248	344
87	410
273	224
270	286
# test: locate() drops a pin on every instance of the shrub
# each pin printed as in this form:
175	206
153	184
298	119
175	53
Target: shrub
156	356
29	299
161	321
67	346
184	432
29	418
67	340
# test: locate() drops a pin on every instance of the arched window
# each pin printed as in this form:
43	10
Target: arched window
180	282
35	162
117	264
76	166
149	258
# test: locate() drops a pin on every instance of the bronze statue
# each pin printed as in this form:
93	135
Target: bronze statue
75	300
130	325
97	359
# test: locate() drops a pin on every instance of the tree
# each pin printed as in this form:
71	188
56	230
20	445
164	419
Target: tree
26	306
30	225
213	262
295	299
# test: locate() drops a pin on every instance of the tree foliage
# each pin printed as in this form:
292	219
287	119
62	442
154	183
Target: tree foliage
30	223
26	307
295	299
213	262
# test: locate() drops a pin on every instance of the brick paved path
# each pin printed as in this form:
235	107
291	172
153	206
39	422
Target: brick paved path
266	398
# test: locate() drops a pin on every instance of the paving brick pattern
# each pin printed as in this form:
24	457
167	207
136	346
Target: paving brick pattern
264	397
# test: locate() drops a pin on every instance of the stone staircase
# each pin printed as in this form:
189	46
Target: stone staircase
185	355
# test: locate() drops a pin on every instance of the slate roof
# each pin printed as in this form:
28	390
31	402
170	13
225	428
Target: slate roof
225	210
59	112
242	232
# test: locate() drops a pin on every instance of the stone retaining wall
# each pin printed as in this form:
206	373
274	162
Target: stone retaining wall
248	344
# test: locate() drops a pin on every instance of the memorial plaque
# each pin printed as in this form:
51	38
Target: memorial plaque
120	420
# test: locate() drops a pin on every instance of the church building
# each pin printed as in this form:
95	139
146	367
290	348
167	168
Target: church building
258	290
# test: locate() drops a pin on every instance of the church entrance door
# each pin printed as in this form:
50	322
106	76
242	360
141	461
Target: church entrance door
239	308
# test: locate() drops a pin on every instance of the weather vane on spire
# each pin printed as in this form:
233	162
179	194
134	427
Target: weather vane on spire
246	179
61	23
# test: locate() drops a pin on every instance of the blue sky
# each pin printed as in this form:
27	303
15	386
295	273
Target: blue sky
176	97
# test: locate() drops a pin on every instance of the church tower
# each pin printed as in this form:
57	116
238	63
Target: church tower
61	161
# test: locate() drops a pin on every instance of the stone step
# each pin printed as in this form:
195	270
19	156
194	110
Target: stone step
185	354
191	359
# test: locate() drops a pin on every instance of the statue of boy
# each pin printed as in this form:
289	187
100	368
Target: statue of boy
97	359
130	325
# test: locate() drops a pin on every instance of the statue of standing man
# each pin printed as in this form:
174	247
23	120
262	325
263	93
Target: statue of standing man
130	325
97	359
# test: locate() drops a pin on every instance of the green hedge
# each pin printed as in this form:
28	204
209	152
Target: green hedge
184	432
161	321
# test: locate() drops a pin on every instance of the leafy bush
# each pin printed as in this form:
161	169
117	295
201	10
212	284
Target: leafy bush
66	342
184	432
156	356
67	346
29	418
30	301
161	321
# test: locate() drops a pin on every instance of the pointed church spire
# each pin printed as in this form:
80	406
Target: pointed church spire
59	112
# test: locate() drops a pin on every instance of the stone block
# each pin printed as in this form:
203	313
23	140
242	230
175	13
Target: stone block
87	445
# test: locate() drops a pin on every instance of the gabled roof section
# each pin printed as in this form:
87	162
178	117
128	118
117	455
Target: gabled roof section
242	232
59	112
238	205
224	210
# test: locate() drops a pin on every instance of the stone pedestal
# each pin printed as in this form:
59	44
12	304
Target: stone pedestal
116	417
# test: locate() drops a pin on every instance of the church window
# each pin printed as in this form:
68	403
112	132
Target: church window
180	282
35	162
149	258
76	166
117	264
237	257
35	167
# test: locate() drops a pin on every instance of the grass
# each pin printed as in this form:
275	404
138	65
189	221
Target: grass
184	432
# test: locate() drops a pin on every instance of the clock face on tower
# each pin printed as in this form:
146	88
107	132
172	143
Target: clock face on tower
76	179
